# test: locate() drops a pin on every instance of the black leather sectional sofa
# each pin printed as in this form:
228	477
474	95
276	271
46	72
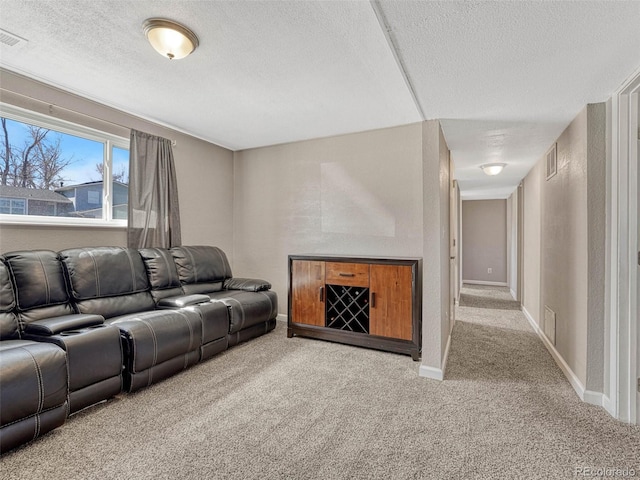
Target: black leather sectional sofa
82	325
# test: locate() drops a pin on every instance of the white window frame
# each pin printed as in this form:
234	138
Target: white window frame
107	139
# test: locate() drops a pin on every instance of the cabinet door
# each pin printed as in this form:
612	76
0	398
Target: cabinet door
307	292
390	305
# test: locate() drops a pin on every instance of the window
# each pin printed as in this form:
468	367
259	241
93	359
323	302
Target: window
12	206
57	172
93	197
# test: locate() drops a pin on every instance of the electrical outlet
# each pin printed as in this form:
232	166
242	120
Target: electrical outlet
489	270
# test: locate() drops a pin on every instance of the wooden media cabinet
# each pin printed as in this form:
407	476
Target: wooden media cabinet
362	301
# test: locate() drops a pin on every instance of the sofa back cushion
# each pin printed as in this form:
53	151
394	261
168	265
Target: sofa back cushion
8	319
161	272
201	269
40	286
107	281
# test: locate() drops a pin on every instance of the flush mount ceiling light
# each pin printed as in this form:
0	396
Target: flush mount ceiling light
170	39
492	168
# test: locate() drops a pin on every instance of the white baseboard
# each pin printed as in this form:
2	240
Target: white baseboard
446	355
431	372
282	317
436	373
607	404
594	398
482	282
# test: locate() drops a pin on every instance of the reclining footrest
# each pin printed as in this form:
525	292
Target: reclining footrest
158	344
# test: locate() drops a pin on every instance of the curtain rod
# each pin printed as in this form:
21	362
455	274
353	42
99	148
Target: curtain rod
53	105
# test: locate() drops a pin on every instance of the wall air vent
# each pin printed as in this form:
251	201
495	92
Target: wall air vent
9	39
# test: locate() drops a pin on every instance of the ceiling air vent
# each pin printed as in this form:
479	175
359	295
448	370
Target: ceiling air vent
8	38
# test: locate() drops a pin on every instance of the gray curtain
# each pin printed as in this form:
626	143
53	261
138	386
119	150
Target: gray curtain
154	213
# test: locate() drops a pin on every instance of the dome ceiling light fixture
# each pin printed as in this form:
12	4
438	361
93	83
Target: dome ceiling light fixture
170	39
492	168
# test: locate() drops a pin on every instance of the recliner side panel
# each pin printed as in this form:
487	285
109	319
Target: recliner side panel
8	319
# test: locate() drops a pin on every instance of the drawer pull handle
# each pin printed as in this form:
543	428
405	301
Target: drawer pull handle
347	274
373	299
322	294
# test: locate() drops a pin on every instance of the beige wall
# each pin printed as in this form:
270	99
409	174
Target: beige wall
512	243
204	172
447	318
596	244
564	245
484	240
532	254
358	194
436	321
572	241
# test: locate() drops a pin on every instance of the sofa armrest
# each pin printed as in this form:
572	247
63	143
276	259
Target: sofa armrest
246	284
183	301
55	325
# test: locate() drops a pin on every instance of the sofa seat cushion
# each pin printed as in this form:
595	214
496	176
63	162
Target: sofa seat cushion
118	306
155	337
181	301
247	308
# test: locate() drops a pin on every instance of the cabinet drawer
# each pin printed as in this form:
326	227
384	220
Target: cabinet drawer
349	274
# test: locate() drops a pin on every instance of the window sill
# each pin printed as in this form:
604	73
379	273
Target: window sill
38	221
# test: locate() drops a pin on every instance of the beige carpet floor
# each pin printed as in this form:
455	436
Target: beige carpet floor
278	408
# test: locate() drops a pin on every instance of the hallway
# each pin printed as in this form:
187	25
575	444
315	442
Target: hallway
524	409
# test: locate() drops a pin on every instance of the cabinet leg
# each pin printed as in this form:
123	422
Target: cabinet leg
289	333
415	355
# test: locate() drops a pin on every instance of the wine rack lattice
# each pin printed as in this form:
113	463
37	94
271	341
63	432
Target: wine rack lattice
348	308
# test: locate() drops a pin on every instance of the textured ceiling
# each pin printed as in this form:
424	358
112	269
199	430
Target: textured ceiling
504	77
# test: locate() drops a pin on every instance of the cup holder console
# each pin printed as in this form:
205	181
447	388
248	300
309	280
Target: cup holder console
70	333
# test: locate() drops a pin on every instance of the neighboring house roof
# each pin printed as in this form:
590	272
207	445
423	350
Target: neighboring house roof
86	184
32	194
